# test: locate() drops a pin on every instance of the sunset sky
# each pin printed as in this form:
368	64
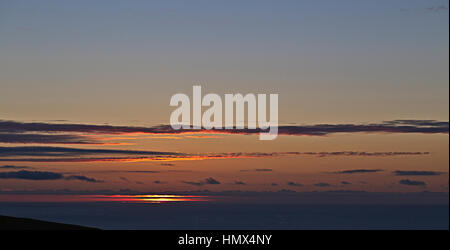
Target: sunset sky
85	88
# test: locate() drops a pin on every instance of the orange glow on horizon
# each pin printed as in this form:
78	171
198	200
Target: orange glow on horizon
156	198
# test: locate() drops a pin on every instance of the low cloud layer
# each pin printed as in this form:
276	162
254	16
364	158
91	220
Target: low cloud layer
409	182
43	175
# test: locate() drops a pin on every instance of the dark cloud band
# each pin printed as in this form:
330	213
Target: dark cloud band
43	176
395	126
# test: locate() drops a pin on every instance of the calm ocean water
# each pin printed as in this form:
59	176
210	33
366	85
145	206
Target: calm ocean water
106	215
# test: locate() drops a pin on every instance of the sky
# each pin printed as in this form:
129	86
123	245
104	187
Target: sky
85	89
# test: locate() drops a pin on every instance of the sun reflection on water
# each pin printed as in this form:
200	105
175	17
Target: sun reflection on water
140	198
153	198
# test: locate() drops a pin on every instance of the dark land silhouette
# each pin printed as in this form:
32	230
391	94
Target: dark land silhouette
14	223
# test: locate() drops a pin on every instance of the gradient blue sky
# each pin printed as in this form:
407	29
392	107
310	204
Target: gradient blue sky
89	61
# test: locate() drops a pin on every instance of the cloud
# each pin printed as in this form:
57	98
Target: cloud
322	184
43	175
211	180
207	181
288	191
395	126
124	179
437	8
14	167
239	183
417	173
65	154
45	138
21	127
294	184
258	170
130	171
65	151
31	175
167	164
412	182
200	183
345	183
274	184
83	178
358	171
362	153
263	170
418	123
153	171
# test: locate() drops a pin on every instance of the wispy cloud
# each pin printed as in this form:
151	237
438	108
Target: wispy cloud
82	178
64	154
257	170
207	181
294	184
14	167
417	173
167	164
412	182
358	171
437	8
322	184
124	179
263	170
